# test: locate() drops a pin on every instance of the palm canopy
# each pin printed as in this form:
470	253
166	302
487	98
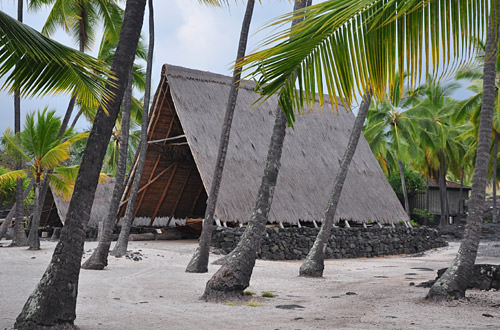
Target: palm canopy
344	46
80	18
37	66
43	152
389	130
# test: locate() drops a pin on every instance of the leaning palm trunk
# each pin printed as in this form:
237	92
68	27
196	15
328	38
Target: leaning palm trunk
19	238
442	190
199	261
234	275
122	243
314	263
453	283
99	258
403	186
52	304
10	215
40	194
494	178
33	239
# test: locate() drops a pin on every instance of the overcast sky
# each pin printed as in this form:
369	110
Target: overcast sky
187	34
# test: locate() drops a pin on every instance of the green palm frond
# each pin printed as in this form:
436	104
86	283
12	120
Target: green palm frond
12	145
37	66
56	155
12	176
61	186
343	46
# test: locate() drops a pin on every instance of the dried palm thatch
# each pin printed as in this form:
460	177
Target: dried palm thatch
191	104
100	207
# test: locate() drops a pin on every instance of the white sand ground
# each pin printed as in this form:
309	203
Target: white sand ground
156	293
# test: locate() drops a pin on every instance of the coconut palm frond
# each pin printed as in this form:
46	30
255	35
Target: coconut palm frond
12	176
38	66
344	46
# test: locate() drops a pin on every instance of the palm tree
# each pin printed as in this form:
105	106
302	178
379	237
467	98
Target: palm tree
43	152
234	275
332	29
199	261
79	18
389	132
121	245
19	233
62	273
434	112
453	283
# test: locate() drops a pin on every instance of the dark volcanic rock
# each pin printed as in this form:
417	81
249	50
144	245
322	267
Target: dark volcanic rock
485	277
293	243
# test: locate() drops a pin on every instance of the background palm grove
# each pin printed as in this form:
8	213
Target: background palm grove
421	77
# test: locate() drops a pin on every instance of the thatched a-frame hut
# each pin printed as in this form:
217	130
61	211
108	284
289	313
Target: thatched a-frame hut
183	136
55	206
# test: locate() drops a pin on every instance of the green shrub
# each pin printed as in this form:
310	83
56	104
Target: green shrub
268	294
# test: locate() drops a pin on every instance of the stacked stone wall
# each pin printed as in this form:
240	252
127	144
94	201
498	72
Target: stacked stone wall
293	243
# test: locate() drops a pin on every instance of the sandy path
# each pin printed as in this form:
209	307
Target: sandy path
155	293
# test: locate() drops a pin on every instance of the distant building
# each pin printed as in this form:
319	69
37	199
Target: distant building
430	200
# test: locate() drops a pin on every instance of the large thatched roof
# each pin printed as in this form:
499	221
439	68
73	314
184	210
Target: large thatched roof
57	206
192	103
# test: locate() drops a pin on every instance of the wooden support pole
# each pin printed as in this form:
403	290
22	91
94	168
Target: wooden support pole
179	197
379	225
196	199
298	224
347	224
315	224
364	225
164	194
281	225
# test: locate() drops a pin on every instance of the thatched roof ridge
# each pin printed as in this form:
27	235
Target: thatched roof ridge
311	154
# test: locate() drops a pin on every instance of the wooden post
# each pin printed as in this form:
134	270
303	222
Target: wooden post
347	224
315	224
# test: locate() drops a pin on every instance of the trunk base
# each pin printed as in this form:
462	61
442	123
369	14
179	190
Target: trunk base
228	283
442	292
198	263
312	268
94	264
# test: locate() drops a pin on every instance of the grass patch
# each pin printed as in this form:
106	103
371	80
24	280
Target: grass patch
229	303
252	303
248	293
267	294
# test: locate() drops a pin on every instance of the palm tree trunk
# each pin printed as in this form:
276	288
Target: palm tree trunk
314	263
453	283
99	258
19	238
199	261
53	302
10	215
494	178
67	116
234	275
442	189
33	239
403	186
121	245
461	205
75	120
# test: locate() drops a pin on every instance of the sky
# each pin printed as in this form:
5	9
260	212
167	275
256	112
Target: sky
187	34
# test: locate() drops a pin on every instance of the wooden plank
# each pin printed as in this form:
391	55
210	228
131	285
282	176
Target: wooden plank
164	194
196	199
181	192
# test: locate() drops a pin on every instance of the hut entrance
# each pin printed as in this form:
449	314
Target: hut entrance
170	186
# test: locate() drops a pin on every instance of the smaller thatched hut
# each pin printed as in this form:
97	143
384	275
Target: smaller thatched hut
55	207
